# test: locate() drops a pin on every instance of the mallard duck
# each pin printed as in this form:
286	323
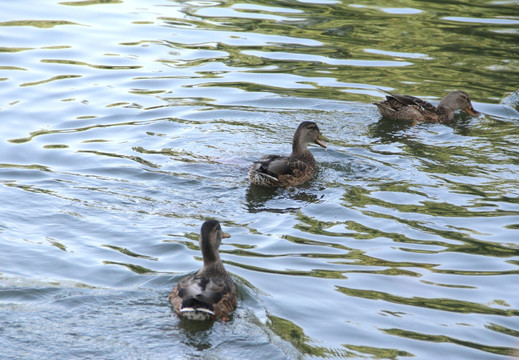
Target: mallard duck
299	167
210	293
405	107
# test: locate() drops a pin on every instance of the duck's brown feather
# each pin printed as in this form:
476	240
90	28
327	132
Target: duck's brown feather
275	170
210	293
217	294
411	108
295	169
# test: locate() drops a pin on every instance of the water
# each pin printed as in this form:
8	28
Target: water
125	124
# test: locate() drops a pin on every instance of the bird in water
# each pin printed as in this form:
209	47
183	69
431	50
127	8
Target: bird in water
210	293
295	169
406	107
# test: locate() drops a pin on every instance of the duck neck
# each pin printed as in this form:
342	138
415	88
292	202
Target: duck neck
211	268
299	146
445	111
209	254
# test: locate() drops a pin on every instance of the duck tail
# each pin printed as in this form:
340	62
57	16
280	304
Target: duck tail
196	310
186	310
259	173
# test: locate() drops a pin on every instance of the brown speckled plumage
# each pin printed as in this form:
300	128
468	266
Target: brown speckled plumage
210	293
410	108
295	169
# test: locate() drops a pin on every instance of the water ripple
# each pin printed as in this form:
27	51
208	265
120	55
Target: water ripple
126	125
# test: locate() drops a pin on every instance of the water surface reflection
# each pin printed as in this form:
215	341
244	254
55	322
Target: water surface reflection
127	124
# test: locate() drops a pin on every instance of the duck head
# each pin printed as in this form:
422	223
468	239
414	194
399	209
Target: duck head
458	100
307	132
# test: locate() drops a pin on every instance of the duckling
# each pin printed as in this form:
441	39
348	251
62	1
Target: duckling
210	293
405	107
299	167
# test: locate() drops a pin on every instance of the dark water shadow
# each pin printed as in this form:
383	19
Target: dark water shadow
462	124
278	200
196	334
389	131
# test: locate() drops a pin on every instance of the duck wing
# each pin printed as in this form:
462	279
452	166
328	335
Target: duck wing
267	170
275	165
275	170
408	100
200	298
406	107
203	290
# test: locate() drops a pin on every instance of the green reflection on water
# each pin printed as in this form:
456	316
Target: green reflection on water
54	78
56	146
71	130
289	331
443	304
37	23
448	339
57	244
135	268
125	251
27	167
503	330
445	53
379	353
327	33
90	2
294	334
13	49
361	198
137	159
82	63
178	155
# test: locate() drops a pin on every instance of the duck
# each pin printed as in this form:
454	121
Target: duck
210	293
295	169
406	107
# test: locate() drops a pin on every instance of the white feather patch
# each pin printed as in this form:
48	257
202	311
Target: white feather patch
196	314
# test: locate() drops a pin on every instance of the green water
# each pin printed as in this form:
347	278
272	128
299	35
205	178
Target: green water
126	124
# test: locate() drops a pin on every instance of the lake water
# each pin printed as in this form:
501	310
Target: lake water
126	124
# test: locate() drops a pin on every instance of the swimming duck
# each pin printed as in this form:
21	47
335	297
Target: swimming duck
299	167
210	293
405	107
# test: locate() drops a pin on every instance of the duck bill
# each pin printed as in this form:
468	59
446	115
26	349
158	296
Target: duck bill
320	143
472	111
225	235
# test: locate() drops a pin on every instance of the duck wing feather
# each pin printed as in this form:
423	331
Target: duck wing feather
206	290
275	165
408	100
